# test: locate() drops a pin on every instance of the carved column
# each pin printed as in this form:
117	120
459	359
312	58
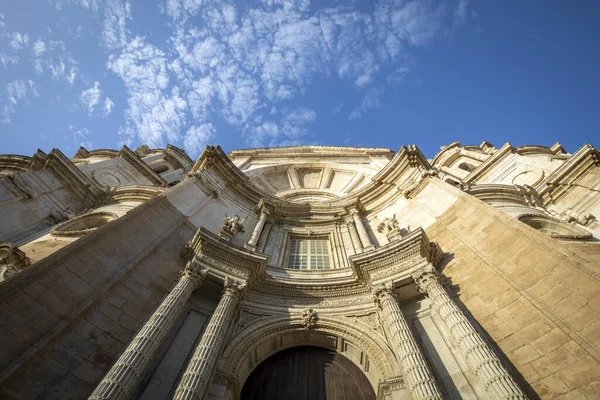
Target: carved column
354	237
419	378
198	373
362	232
264	213
496	380
126	374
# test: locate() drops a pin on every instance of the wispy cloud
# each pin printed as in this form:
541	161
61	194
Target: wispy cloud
19	40
248	66
17	91
91	97
198	136
372	99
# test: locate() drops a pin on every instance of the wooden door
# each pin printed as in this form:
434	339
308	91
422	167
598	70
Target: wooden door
307	373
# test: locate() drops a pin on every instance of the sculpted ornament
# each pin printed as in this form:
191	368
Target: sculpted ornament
194	272
309	318
231	226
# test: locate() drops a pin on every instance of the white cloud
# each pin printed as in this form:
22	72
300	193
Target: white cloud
19	41
116	14
52	56
107	107
197	137
7	60
90	98
241	63
17	92
39	47
87	4
461	13
156	111
372	99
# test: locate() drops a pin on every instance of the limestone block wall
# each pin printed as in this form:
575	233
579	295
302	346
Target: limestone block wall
529	292
64	320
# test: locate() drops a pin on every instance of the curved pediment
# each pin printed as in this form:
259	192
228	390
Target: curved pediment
313	173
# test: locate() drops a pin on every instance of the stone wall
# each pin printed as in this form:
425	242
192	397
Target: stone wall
535	298
64	320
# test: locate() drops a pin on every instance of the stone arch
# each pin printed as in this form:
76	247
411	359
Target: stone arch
356	341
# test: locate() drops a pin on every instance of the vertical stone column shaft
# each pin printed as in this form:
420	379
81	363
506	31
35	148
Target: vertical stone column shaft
419	378
496	380
128	371
354	236
362	232
199	371
258	228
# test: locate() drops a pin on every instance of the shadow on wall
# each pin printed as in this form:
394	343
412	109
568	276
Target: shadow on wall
454	291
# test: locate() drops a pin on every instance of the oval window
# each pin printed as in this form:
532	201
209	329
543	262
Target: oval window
84	224
554	227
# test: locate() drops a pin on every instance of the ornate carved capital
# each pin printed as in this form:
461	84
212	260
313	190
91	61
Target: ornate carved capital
233	288
383	292
425	276
194	272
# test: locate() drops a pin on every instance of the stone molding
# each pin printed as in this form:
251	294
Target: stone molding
240	351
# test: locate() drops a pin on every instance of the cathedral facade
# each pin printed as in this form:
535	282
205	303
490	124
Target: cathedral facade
301	273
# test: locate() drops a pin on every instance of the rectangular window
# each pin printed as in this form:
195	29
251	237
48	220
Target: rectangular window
309	254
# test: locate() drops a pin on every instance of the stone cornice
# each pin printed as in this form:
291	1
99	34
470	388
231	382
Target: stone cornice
396	259
185	161
134	160
559	182
223	259
310	151
392	261
15	163
72	177
489	163
388	183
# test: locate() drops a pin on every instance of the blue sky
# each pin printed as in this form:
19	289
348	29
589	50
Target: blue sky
103	73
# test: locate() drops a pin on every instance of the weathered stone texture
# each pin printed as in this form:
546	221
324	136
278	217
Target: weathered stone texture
107	287
539	305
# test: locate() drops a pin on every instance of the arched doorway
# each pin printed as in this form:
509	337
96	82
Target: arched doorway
307	373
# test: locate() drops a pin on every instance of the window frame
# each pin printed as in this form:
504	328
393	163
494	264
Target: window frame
329	253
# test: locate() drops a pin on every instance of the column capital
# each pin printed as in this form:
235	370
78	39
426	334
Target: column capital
194	272
426	276
383	292
233	288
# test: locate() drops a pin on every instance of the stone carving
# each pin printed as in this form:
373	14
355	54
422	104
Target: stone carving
231	226
391	228
12	260
309	318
